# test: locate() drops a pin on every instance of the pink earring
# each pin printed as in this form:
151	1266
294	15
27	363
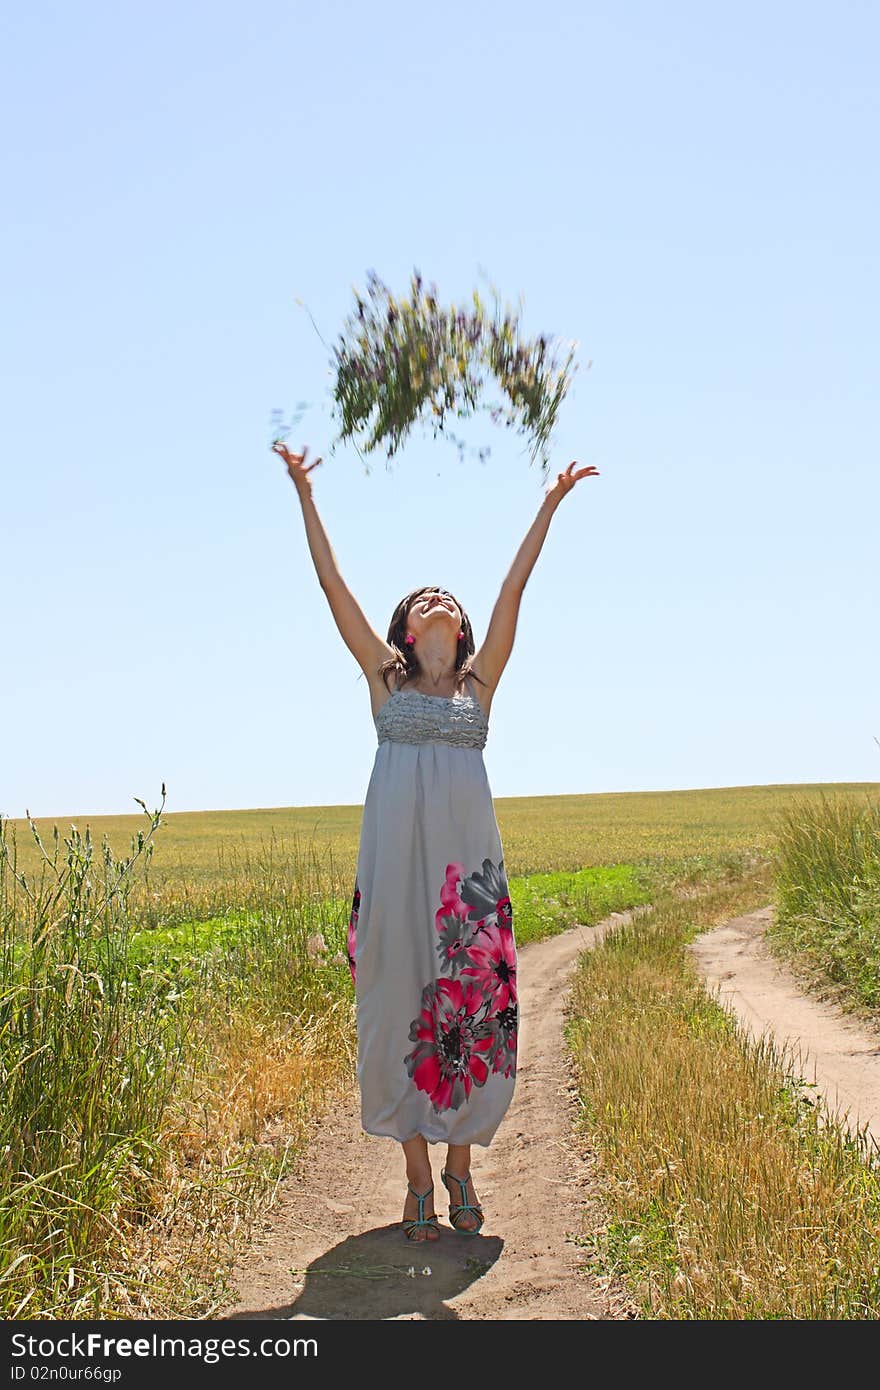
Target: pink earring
460	633
409	639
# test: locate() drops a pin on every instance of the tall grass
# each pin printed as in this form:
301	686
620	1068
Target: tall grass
732	1192
827	866
135	1081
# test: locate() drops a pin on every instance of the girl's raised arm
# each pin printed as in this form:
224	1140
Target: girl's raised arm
493	655
366	646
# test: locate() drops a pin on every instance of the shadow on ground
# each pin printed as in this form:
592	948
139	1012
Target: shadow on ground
380	1274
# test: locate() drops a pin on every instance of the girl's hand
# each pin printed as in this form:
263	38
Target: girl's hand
296	465
566	481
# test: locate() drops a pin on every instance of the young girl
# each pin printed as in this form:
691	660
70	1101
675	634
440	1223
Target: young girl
430	941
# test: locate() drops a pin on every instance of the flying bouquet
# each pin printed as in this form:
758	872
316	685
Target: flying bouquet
408	360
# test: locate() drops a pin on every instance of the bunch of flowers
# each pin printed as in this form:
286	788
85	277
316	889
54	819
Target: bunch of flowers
402	360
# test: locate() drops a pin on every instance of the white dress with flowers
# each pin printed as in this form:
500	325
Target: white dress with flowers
430	941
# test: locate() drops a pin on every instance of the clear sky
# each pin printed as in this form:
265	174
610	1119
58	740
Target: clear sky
689	191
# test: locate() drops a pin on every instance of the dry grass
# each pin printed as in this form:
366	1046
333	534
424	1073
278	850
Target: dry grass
230	1140
153	1099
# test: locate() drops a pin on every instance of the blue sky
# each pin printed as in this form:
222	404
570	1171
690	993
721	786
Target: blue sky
687	191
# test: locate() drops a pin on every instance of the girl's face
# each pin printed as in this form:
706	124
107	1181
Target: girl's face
433	606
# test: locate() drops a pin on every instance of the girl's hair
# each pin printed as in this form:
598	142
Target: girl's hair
406	664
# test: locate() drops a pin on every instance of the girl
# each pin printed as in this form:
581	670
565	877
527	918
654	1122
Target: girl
430	940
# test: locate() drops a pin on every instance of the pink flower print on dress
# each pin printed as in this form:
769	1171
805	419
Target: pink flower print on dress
493	966
504	1026
452	1040
455	936
487	896
449	898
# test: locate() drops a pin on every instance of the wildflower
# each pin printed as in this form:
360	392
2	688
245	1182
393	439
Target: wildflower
315	944
430	371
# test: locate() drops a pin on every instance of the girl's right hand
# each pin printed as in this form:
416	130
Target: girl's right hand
296	465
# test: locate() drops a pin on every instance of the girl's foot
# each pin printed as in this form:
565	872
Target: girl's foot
411	1212
462	1197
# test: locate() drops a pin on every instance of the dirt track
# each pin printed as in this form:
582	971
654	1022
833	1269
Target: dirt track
337	1216
840	1055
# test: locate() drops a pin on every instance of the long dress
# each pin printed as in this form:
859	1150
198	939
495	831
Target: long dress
430	940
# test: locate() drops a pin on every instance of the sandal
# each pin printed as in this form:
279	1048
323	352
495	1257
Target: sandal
455	1210
421	1220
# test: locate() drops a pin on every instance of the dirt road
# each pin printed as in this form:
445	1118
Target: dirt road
834	1051
332	1246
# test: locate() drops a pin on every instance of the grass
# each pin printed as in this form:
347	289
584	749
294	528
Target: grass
151	1099
731	1191
827	921
176	1014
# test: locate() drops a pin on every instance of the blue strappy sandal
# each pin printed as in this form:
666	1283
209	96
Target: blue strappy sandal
456	1209
421	1219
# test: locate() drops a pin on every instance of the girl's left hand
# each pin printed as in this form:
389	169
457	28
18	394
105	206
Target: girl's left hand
566	481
